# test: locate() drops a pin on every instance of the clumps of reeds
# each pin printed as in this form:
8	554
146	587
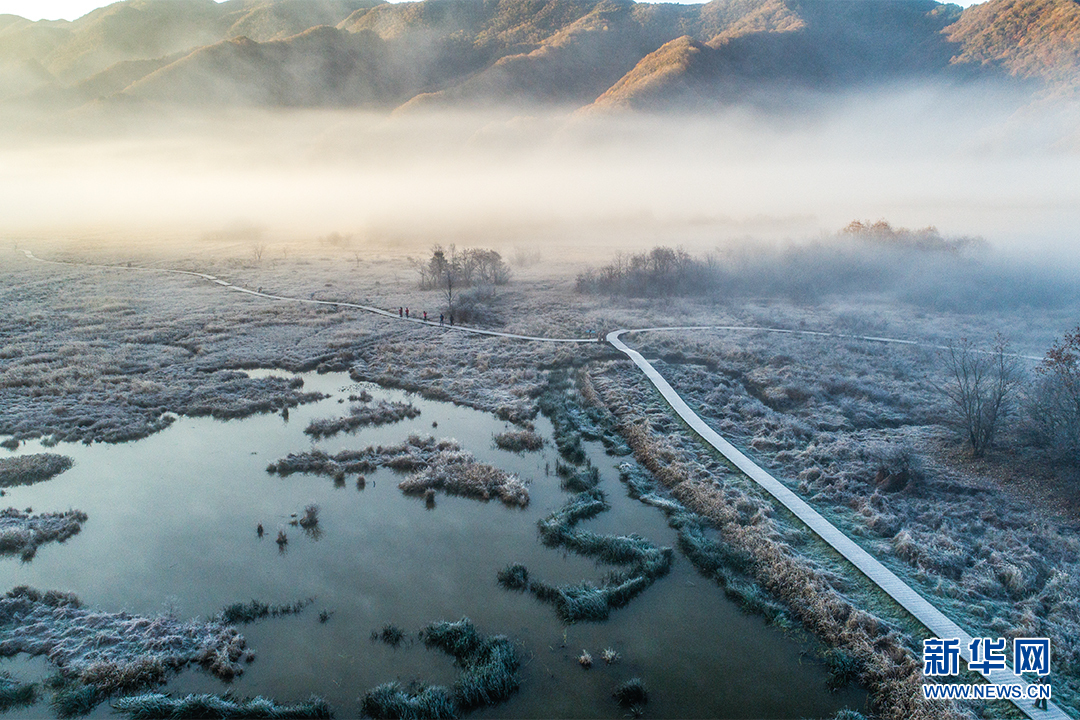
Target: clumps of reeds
22	532
310	519
569	421
728	566
382	413
30	469
519	440
109	677
71	699
392	700
318	462
489	675
610	656
157	705
631	694
577	479
514	577
457	472
111	651
390	634
489	664
437	465
243	613
585	659
585	601
844	668
15	694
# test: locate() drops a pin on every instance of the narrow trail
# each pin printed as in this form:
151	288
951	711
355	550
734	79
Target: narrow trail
311	301
921	609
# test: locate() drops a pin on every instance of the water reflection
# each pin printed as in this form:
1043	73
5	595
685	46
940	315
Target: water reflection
172	525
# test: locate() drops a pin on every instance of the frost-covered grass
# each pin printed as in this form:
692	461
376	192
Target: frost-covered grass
489	664
30	469
644	562
860	431
390	634
489	675
381	413
631	693
749	535
15	694
102	652
157	705
22	533
519	440
457	472
255	610
436	465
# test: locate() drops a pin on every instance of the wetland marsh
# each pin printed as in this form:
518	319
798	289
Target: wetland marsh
172	528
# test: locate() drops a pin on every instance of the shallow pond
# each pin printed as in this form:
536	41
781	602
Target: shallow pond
172	523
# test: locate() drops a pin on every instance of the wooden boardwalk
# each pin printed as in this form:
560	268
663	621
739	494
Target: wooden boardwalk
934	620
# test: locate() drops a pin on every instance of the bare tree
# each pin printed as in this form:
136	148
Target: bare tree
1054	406
258	249
981	388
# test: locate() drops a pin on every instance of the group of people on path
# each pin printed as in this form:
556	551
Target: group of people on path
403	312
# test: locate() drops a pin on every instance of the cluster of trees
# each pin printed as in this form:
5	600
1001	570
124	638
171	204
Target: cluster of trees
925	239
660	272
463	268
452	271
920	267
986	388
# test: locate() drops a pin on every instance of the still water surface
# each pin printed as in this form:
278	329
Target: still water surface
172	523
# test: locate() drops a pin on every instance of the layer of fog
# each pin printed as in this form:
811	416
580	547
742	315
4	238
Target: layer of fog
970	164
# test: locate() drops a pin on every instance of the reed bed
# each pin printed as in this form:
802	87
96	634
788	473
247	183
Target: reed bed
435	465
587	601
23	533
382	413
14	694
489	675
149	706
243	613
30	469
523	440
100	653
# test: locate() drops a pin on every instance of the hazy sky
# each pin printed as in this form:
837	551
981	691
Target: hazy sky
71	9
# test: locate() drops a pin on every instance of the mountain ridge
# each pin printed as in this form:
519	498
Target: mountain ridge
595	55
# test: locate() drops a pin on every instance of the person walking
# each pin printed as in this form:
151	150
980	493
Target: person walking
1041	703
425	316
441	318
401	312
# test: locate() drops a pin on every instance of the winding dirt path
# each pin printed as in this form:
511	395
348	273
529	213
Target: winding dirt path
921	609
